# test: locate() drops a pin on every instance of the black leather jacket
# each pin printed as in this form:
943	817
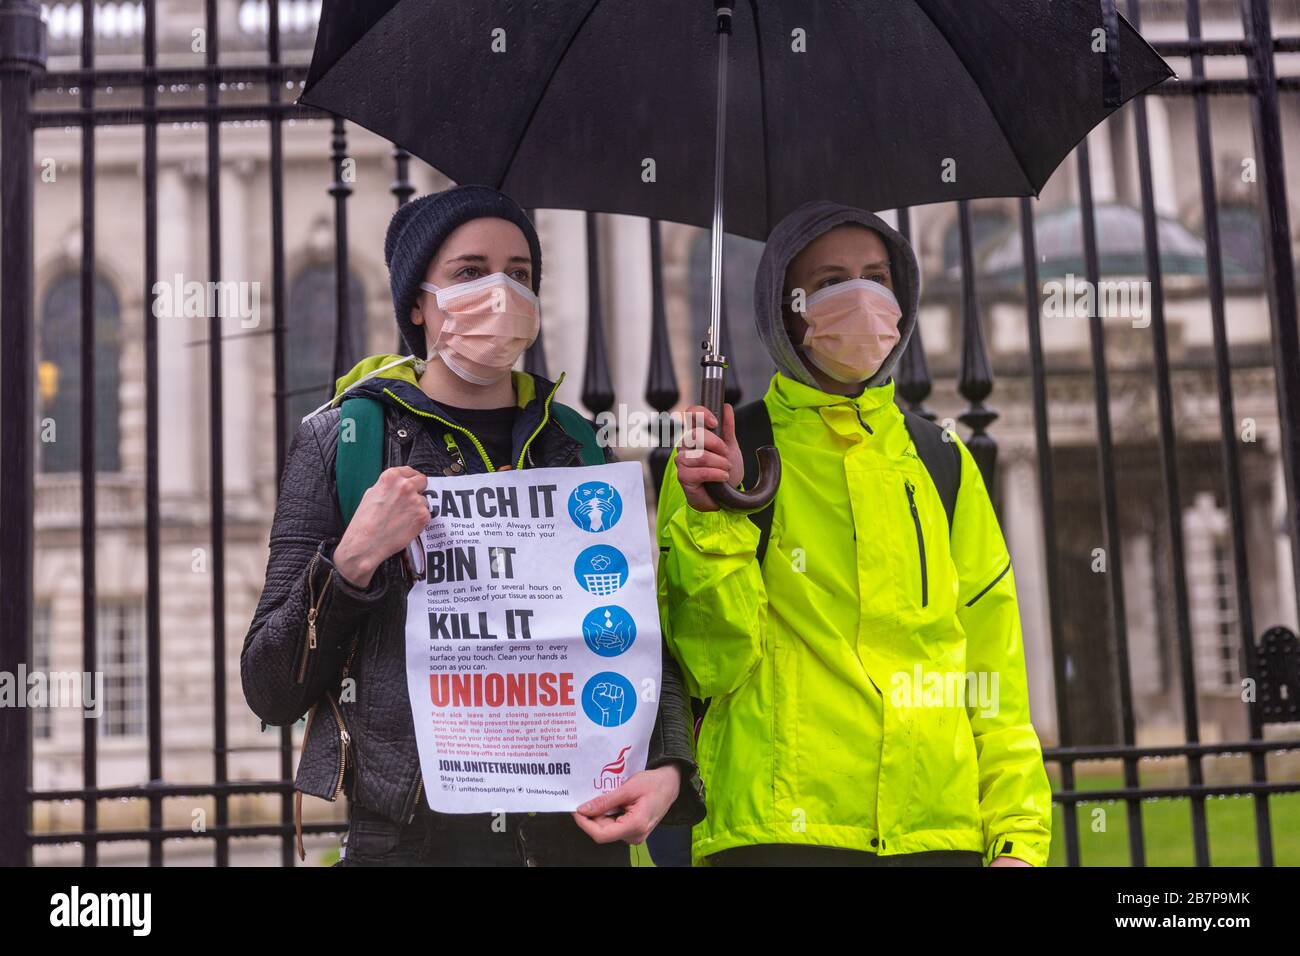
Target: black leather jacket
295	662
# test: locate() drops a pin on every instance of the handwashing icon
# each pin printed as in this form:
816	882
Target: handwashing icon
608	631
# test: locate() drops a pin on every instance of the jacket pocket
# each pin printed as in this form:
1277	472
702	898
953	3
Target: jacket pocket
988	587
920	540
371	841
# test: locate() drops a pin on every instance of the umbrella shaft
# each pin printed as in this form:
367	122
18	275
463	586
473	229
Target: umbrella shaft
719	168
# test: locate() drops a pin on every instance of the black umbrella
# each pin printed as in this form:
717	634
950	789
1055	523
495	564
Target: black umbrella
609	105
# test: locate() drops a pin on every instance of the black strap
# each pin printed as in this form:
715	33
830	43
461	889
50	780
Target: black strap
754	431
1112	93
942	459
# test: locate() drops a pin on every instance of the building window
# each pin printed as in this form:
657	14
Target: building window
1212	595
1225	617
296	16
64	20
119	627
309	339
42	717
59	375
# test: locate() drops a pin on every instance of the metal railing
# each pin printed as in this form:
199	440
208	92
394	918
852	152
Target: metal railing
23	76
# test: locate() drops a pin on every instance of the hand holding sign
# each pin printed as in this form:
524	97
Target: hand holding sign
644	800
393	511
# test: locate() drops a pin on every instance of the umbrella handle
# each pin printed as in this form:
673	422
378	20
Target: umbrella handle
769	459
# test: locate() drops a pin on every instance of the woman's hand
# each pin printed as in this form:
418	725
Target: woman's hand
1008	861
392	512
704	457
645	798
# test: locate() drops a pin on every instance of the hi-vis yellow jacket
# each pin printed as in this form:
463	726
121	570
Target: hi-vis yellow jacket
867	680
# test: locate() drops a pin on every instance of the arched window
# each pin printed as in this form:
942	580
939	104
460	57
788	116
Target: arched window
309	338
59	375
747	357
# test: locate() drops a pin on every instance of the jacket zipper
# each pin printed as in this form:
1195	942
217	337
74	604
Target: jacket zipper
415	411
870	430
920	540
345	739
454	450
419	791
546	416
312	613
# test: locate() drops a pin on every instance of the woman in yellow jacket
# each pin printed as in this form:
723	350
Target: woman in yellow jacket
866	680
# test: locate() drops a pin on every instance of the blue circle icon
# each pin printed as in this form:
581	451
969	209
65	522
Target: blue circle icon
608	699
601	569
609	630
595	506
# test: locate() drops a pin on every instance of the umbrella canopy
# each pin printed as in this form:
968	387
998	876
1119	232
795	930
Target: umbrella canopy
607	105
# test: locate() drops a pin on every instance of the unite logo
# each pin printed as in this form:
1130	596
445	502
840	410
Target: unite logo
610	775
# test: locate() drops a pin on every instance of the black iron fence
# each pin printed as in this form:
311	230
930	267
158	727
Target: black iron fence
1270	659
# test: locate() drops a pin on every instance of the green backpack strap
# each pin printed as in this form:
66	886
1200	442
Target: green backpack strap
576	426
360	455
754	431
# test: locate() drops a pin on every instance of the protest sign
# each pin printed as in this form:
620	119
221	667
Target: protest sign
532	644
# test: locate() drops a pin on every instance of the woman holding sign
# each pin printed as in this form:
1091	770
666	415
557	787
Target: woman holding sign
328	637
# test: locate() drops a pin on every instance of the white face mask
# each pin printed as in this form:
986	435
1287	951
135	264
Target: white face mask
487	324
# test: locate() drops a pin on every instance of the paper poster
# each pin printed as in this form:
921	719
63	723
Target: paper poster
532	644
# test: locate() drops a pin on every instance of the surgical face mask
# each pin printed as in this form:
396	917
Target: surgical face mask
486	326
852	328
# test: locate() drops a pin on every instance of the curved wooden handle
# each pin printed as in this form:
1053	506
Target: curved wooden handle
769	459
769	478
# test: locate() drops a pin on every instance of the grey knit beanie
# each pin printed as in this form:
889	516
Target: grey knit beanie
420	227
787	240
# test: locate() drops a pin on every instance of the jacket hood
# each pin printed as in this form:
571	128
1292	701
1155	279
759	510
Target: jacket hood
787	240
388	368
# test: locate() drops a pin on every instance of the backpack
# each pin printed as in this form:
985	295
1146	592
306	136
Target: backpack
942	459
358	462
